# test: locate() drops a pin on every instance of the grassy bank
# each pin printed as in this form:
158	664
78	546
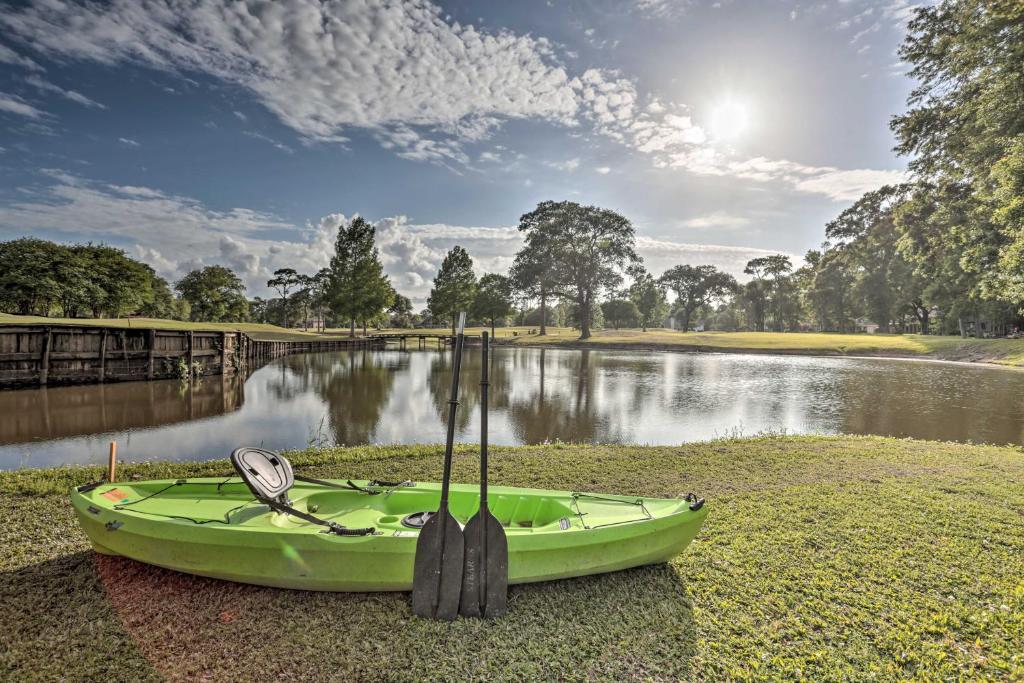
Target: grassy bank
822	558
1002	351
255	330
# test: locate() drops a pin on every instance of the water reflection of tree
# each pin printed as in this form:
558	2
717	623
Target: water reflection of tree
439	382
355	386
557	409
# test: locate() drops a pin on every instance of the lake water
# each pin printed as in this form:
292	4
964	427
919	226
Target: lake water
537	395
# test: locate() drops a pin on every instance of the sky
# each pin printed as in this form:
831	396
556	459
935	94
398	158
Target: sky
202	132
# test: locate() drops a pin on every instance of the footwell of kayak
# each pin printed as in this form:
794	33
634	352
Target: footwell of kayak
215	527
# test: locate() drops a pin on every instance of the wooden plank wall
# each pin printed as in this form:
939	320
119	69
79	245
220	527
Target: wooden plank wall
65	354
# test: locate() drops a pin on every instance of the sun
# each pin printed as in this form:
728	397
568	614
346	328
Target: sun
729	119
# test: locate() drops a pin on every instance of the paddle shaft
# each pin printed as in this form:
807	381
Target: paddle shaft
485	385
484	389
453	404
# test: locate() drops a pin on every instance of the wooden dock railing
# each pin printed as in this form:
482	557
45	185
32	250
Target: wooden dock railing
40	355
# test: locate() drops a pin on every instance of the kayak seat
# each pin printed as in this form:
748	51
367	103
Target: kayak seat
267	474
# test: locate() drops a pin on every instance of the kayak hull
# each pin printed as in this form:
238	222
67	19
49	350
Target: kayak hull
212	528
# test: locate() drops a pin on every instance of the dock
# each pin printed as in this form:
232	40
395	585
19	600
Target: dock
42	355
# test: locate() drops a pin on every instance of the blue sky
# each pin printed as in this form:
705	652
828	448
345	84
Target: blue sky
193	133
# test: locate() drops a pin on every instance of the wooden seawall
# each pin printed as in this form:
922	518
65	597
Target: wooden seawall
32	355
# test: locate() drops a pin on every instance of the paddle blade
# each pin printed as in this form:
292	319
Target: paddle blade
485	573
437	573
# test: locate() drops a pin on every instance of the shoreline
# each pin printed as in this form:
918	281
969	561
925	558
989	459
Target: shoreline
577	345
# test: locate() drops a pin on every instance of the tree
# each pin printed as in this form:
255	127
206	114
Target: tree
37	276
493	299
648	295
963	132
828	293
303	297
284	280
359	290
29	281
119	284
400	311
696	286
533	274
319	293
868	231
454	287
768	293
164	304
620	313
589	246
215	294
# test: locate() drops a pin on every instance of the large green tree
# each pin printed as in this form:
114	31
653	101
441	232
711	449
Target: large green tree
284	281
868	234
648	295
493	299
37	276
533	273
964	132
29	279
164	304
359	289
214	294
696	286
400	311
589	249
620	313
769	293
454	287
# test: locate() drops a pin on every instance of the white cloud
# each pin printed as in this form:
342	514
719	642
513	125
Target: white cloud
175	234
72	95
266	138
603	170
849	185
662	9
424	85
9	56
16	105
568	165
716	219
167	230
325	67
129	142
660	255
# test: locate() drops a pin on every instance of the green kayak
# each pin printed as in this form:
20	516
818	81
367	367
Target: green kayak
216	528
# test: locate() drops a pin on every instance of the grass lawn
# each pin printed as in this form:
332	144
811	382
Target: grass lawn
823	558
1003	351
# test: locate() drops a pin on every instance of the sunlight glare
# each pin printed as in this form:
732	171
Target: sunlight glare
730	119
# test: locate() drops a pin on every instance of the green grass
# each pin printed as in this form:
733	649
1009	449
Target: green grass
255	330
823	558
1002	351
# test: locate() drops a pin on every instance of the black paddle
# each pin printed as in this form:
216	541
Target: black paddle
437	573
485	576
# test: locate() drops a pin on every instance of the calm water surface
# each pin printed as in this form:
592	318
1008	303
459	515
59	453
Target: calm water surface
537	395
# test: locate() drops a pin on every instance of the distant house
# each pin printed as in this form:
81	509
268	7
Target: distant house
865	325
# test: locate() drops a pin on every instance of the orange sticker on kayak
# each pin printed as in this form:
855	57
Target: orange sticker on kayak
116	495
